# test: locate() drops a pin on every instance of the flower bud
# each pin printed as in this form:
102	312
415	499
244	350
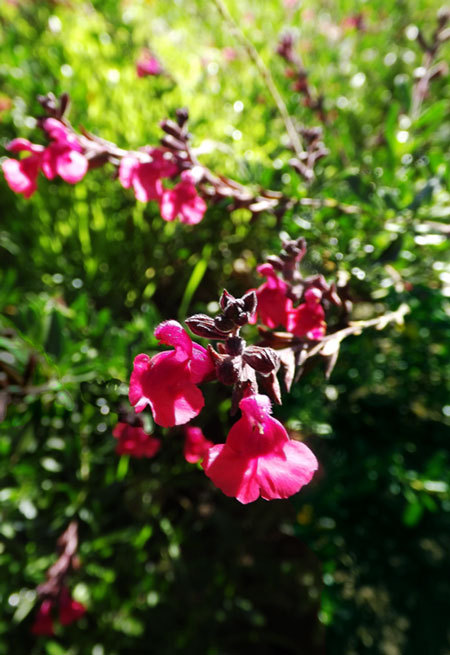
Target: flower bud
170	127
250	301
228	371
204	326
235	346
224	324
172	143
263	360
225	299
182	115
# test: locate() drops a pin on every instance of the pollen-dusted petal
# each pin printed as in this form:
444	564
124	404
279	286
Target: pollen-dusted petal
258	458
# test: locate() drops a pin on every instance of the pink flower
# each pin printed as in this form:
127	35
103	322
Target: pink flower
63	156
145	177
273	303
43	624
21	174
308	319
229	54
195	444
135	441
182	201
167	381
69	609
258	457
147	64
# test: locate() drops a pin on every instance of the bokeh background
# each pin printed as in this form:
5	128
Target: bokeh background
358	561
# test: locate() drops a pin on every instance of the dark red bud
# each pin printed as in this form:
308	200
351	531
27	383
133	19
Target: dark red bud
235	346
172	143
242	318
204	326
223	324
228	370
263	360
250	301
170	127
64	102
225	299
182	115
271	387
276	262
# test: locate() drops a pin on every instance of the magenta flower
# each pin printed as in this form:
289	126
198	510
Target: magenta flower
43	623
258	457
308	319
70	610
183	202
134	441
147	64
273	303
195	444
167	382
21	174
145	177
63	156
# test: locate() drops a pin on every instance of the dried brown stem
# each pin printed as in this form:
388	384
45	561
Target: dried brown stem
265	74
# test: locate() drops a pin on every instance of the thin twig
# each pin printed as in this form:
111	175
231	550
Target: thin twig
356	327
265	74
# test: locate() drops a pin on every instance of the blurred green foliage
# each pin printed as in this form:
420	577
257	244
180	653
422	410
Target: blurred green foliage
359	560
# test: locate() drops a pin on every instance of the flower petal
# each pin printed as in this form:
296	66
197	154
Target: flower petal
284	472
233	474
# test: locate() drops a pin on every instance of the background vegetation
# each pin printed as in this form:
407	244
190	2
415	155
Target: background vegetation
358	562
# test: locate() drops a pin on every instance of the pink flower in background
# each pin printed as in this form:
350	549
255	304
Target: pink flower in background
70	610
43	624
183	202
167	381
21	174
229	54
308	319
63	156
195	444
147	64
134	441
145	177
273	303
258	457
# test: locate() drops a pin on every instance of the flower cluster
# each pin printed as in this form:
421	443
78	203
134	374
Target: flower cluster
278	296
54	593
134	441
190	184
69	611
258	458
70	155
63	156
